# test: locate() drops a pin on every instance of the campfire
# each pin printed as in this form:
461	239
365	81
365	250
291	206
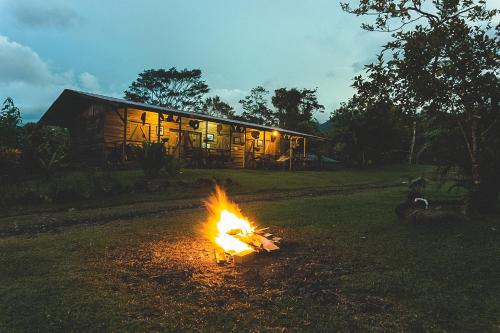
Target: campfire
236	239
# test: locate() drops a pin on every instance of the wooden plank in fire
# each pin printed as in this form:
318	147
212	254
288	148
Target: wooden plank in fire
266	244
243	257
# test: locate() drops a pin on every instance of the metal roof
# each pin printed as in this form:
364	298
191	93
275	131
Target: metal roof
69	95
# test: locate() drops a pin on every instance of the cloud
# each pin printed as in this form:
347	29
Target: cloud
230	96
27	78
224	93
331	74
360	65
45	14
89	82
20	63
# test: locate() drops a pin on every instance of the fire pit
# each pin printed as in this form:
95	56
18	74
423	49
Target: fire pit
236	239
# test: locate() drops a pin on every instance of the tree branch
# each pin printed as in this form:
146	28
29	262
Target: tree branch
401	26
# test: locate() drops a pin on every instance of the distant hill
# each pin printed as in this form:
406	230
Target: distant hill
326	125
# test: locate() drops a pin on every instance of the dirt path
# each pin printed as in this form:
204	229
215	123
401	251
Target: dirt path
32	224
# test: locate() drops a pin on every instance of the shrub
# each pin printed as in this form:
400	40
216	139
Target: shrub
9	165
45	148
152	158
133	152
10	124
172	165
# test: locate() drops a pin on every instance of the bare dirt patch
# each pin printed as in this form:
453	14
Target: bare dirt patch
180	274
186	266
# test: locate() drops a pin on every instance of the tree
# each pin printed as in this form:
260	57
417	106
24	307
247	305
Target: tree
444	57
381	84
214	106
256	109
10	121
368	133
295	108
10	142
171	88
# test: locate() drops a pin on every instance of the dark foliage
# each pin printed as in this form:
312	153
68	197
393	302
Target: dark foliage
10	125
295	109
442	62
372	135
214	106
153	159
10	142
177	89
256	108
45	149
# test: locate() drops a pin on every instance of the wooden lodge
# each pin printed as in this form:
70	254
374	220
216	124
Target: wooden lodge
100	126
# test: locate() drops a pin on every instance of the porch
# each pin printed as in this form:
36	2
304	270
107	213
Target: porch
209	143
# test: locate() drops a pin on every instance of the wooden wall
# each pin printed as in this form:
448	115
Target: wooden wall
137	132
237	147
266	143
87	132
232	140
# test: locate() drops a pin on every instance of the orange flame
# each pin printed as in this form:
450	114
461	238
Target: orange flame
226	226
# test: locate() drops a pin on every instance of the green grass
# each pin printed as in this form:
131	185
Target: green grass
384	275
254	180
185	185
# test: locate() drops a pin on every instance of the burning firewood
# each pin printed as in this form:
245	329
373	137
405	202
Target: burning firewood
235	237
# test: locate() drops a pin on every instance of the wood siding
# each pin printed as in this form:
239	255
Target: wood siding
102	129
87	132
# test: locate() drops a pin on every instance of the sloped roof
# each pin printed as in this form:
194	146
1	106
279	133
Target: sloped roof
69	101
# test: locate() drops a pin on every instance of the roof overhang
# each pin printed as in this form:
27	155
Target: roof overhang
68	104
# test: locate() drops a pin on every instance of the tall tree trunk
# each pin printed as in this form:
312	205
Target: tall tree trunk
476	176
483	194
412	145
475	195
480	197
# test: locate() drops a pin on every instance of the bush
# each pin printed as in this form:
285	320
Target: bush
172	165
133	152
45	148
9	165
152	158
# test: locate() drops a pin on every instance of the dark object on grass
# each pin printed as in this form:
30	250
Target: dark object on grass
414	200
434	216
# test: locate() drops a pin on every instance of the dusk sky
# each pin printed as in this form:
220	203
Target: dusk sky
100	46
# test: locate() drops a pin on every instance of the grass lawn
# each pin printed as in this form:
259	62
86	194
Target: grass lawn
346	264
192	183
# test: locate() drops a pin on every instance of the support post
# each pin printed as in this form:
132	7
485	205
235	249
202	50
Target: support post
244	148
230	144
277	145
179	144
264	142
305	153
206	138
158	127
291	152
124	144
